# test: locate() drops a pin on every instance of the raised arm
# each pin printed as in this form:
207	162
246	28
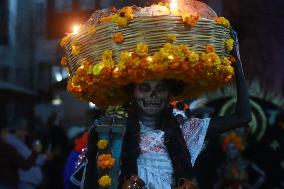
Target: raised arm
242	114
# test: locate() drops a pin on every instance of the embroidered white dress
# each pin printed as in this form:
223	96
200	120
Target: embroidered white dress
154	164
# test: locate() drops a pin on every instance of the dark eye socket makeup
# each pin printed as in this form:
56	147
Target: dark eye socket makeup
161	87
145	87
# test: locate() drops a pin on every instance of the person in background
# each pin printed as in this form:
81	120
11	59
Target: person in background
30	178
236	172
11	161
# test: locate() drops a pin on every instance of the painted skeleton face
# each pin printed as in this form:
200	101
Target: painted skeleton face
232	151
152	97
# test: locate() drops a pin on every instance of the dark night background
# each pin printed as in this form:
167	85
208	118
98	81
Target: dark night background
32	83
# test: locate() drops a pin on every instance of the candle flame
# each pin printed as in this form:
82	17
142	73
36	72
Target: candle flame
75	29
174	7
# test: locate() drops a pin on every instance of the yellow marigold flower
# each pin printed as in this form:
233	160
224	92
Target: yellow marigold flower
75	50
216	58
135	62
107	54
106	19
191	19
124	57
123	17
223	22
97	68
65	40
102	144
164	4
105	181
118	37
230	70
127	12
213	58
203	56
141	49
105	161
107	58
63	61
158	58
226	61
193	57
229	44
171	37
120	21
92	30
210	48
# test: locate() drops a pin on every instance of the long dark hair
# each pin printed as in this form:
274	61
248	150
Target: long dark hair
173	140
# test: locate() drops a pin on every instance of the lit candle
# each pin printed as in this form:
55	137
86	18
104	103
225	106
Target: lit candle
75	29
174	7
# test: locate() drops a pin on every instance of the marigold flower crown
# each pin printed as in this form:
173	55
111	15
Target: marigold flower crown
131	45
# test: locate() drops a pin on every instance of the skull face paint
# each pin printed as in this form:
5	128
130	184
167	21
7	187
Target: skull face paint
151	97
232	151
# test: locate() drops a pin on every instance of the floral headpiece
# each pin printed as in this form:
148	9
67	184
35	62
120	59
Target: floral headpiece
131	45
235	139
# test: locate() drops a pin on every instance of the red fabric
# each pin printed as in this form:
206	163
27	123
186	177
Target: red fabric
81	142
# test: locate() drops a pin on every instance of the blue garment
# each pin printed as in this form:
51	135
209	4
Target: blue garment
70	169
34	174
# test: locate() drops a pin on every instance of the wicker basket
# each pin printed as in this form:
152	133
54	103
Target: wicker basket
151	30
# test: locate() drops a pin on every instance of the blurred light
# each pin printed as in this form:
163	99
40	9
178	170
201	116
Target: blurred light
75	29
56	101
58	76
92	105
173	7
150	59
170	57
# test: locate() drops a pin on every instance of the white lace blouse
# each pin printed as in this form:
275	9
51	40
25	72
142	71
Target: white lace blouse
154	164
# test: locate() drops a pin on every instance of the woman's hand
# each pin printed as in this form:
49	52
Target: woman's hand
187	184
236	53
242	115
236	49
37	146
133	183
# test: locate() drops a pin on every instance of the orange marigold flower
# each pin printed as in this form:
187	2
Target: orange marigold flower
210	48
65	40
105	161
232	59
118	37
235	139
191	19
63	61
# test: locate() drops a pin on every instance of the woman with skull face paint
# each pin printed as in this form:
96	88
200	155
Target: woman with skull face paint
156	147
